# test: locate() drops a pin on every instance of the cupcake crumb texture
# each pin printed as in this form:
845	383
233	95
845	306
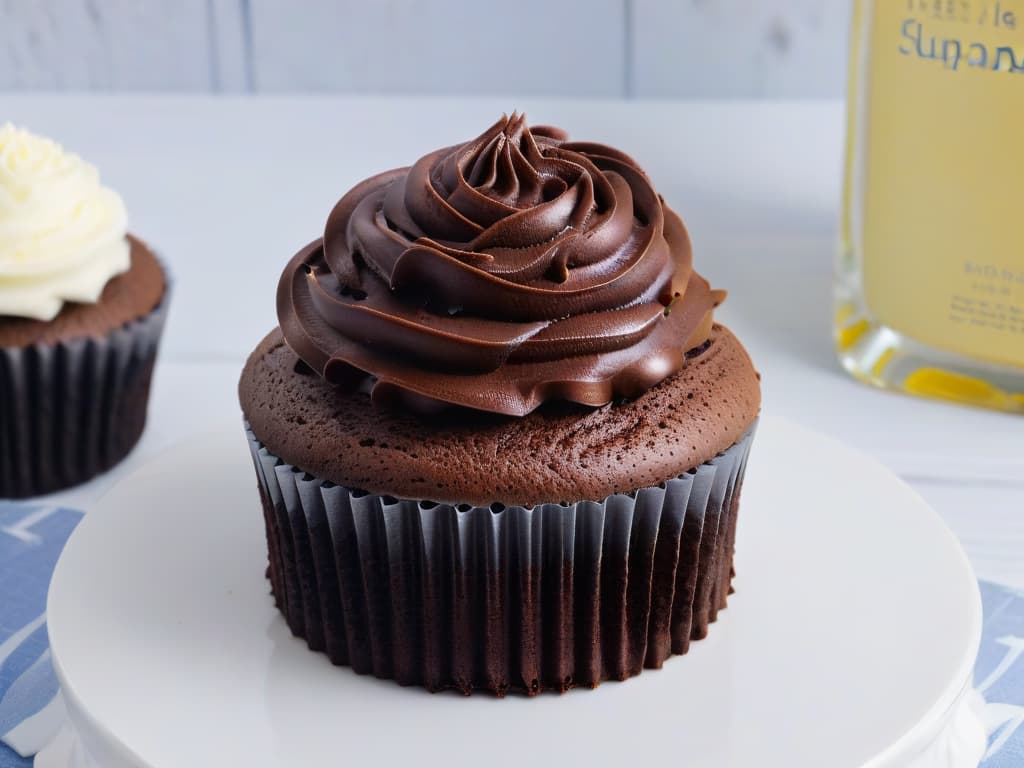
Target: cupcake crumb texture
562	452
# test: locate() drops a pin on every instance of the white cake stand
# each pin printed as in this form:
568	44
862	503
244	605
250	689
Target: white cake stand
850	641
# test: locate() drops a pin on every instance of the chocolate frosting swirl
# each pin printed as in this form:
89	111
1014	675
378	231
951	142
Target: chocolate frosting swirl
516	268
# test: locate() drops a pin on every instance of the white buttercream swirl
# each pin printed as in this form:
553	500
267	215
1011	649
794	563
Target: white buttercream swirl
62	234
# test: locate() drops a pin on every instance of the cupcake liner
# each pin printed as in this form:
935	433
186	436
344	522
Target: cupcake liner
73	409
501	598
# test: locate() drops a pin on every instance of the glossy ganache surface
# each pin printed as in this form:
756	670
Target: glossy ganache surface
514	269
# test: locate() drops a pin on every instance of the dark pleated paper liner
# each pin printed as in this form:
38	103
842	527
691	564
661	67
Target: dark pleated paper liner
74	409
501	598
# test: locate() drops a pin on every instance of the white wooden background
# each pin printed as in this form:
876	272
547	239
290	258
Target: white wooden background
596	48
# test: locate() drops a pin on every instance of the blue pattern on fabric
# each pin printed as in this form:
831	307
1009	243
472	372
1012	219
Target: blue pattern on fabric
31	539
999	674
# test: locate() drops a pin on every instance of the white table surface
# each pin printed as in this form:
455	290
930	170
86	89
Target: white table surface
227	189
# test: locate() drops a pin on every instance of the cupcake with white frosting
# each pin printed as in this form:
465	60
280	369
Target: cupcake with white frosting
82	307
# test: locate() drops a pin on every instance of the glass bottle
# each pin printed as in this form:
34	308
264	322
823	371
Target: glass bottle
930	274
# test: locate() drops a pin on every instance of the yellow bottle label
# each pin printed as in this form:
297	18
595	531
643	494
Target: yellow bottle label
941	173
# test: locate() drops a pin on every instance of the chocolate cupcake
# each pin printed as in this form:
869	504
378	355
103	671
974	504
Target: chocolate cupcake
498	438
82	307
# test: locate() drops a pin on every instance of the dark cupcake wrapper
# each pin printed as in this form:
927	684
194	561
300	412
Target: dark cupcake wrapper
73	409
501	598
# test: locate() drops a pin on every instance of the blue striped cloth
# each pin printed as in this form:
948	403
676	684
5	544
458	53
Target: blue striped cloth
999	674
32	536
31	539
